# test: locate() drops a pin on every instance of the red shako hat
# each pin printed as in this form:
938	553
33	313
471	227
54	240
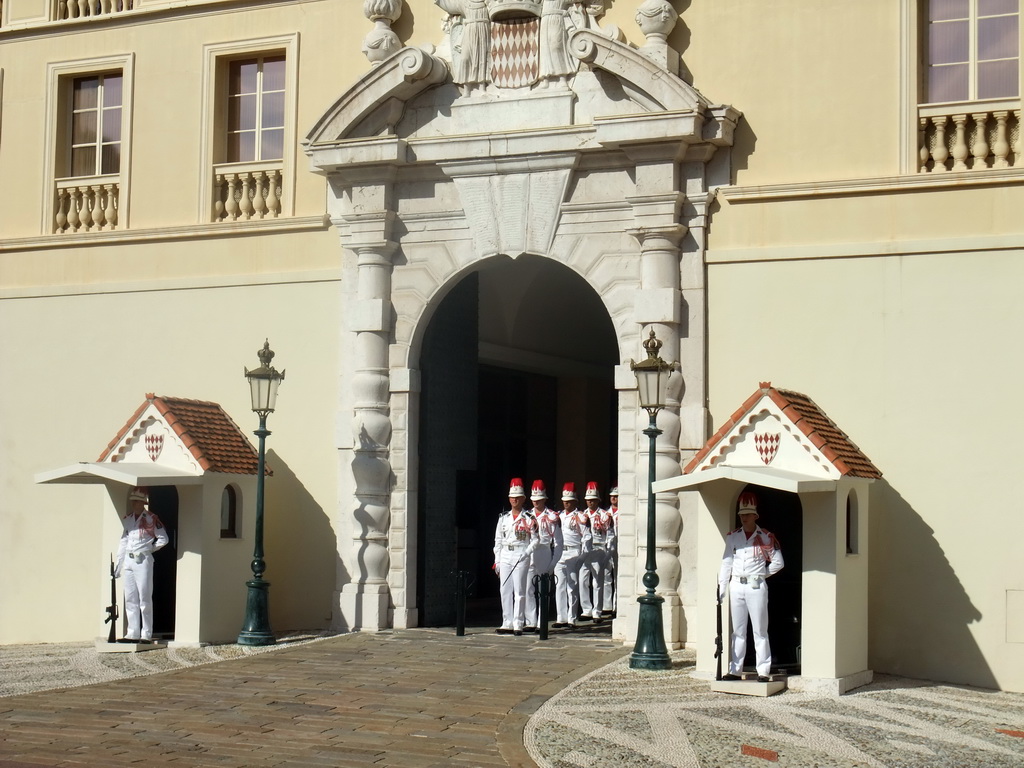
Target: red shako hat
748	503
569	492
515	488
538	491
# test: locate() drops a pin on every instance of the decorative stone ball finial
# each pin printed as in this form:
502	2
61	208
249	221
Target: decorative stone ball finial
381	42
656	19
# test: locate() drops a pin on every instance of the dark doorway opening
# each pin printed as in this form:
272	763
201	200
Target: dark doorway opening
163	502
516	381
781	513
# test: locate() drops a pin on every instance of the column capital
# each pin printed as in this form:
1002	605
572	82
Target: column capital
658	237
371	254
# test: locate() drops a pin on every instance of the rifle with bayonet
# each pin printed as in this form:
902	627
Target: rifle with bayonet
112	612
718	635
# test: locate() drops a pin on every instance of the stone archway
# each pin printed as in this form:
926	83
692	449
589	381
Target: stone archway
607	166
516	377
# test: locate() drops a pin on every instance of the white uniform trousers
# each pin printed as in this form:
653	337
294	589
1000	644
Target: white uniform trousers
592	568
567	592
610	572
138	597
540	562
513	565
746	601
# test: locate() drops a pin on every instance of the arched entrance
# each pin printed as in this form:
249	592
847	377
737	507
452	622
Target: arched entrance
516	367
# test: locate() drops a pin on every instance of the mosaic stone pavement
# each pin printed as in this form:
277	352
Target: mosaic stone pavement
618	717
44	667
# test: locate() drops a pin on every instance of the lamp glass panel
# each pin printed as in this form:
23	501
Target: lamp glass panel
647	386
662	388
273	384
260	390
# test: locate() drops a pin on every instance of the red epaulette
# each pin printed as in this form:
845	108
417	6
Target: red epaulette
735	530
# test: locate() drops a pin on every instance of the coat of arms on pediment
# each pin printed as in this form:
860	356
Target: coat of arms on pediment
512	43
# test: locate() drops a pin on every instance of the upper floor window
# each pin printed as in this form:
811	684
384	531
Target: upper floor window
95	129
965	60
248	145
88	120
255	123
973	50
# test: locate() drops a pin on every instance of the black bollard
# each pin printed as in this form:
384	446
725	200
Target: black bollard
545	599
460	603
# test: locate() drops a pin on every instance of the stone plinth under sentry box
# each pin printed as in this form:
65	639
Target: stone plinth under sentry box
102	646
748	687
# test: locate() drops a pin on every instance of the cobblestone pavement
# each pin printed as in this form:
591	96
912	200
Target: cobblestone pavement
428	698
403	698
616	717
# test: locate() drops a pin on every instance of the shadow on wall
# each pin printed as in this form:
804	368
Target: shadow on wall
920	613
301	552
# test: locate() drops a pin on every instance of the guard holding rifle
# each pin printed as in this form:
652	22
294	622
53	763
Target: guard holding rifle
143	535
515	539
752	554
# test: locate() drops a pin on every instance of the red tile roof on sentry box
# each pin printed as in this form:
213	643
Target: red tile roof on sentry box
205	429
805	414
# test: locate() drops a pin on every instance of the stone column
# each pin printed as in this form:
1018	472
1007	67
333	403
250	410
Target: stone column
365	600
658	307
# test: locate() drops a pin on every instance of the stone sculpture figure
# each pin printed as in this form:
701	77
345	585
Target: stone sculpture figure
555	62
471	65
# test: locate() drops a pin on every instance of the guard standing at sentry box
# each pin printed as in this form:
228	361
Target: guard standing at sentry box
547	553
515	539
752	554
143	535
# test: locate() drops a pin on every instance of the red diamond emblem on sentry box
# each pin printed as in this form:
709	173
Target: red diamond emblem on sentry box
154	444
767	446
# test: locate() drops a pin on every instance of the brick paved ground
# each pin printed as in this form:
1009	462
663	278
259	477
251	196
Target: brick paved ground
406	698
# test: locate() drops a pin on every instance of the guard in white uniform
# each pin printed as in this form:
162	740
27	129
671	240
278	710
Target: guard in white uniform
143	535
515	539
547	553
576	540
594	565
610	593
752	554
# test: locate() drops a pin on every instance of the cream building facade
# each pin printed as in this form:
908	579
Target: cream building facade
455	223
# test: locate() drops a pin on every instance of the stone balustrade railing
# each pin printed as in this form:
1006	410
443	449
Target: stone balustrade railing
243	191
970	136
78	9
86	204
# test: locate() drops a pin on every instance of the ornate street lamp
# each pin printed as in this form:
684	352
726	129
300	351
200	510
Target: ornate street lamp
263	383
652	388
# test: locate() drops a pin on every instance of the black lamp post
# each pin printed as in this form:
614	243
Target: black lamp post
263	383
652	387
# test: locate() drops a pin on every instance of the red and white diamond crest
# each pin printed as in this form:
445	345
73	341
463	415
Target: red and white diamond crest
154	444
767	446
515	52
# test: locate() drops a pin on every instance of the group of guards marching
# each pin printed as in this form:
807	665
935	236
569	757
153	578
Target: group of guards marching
578	547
